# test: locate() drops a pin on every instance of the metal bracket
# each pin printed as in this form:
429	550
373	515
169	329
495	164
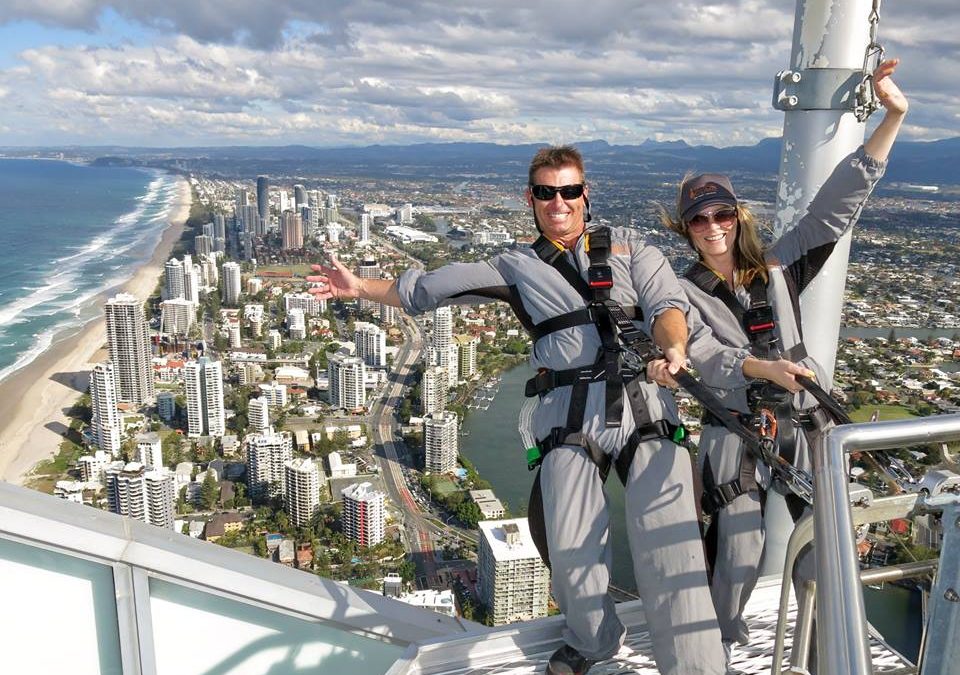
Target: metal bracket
817	89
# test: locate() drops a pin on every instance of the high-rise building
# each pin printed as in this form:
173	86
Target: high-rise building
291	231
191	280
405	214
128	341
310	218
366	222
258	414
300	196
150	450
346	376
369	269
442	342
93	466
302	497
219	232
512	581
203	380
296	324
467	356
177	316
433	390
363	514
388	315
105	423
308	302
173	284
166	405
263	198
231	283
203	244
371	344
144	495
276	394
440	441
266	454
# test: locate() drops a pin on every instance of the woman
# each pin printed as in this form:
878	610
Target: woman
739	288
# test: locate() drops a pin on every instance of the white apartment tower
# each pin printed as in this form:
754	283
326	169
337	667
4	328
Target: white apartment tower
177	316
203	380
433	390
266	455
366	220
369	269
144	495
106	423
93	466
512	580
467	356
191	280
258	414
150	450
346	375
363	514
371	344
308	302
291	231
173	283
296	324
440	442
443	345
128	341
302	497
231	283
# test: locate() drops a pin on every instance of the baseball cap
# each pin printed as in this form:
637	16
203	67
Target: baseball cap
705	190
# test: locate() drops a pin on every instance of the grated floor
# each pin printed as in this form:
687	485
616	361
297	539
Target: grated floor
635	656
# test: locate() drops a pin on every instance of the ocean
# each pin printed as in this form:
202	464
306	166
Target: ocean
68	233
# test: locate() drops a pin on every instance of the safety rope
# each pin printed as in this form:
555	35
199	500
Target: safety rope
866	98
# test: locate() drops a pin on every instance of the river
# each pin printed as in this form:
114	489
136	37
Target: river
493	444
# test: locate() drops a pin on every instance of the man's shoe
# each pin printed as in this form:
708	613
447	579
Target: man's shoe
568	661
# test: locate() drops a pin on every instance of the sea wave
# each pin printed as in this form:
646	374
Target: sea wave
75	280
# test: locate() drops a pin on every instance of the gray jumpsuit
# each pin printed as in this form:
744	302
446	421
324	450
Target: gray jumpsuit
800	253
661	517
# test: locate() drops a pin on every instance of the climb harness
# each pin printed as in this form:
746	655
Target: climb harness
620	364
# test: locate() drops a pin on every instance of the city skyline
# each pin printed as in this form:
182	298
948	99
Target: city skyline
162	74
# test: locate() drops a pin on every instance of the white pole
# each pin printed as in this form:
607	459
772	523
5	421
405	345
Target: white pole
829	36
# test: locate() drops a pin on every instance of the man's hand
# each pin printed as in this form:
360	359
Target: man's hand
336	282
662	370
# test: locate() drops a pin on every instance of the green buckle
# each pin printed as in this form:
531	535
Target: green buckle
679	435
534	457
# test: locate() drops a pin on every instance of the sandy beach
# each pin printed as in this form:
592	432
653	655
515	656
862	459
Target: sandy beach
33	399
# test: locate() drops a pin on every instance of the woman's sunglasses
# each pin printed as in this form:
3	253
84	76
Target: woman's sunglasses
722	217
545	193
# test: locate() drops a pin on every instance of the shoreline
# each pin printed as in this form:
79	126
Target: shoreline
34	398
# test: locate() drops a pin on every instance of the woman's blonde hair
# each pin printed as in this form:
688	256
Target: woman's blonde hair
748	251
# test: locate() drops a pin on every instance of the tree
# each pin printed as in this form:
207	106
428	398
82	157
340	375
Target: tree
407	571
209	491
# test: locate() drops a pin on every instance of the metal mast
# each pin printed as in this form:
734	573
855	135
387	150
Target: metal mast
826	98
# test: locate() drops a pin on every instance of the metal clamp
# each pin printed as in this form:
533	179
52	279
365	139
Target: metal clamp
817	89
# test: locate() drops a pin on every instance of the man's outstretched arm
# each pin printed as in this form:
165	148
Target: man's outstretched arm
338	282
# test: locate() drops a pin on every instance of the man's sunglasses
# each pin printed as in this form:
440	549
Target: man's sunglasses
722	217
545	193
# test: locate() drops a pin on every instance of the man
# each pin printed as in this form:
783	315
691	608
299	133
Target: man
594	408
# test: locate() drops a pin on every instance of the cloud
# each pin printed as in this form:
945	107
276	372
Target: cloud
361	71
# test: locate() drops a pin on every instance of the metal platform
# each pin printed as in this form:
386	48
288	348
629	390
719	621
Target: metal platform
534	643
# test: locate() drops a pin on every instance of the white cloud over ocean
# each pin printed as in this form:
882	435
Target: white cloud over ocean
297	71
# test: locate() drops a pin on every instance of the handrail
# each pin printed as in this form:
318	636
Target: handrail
842	647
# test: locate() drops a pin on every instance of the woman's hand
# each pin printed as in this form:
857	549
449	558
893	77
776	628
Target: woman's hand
887	90
780	372
336	282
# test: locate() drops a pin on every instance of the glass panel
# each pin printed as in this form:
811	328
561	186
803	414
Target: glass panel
60	613
196	632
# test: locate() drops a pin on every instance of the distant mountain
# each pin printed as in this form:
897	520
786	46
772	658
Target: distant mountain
934	162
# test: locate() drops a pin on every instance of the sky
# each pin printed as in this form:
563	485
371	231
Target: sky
169	73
